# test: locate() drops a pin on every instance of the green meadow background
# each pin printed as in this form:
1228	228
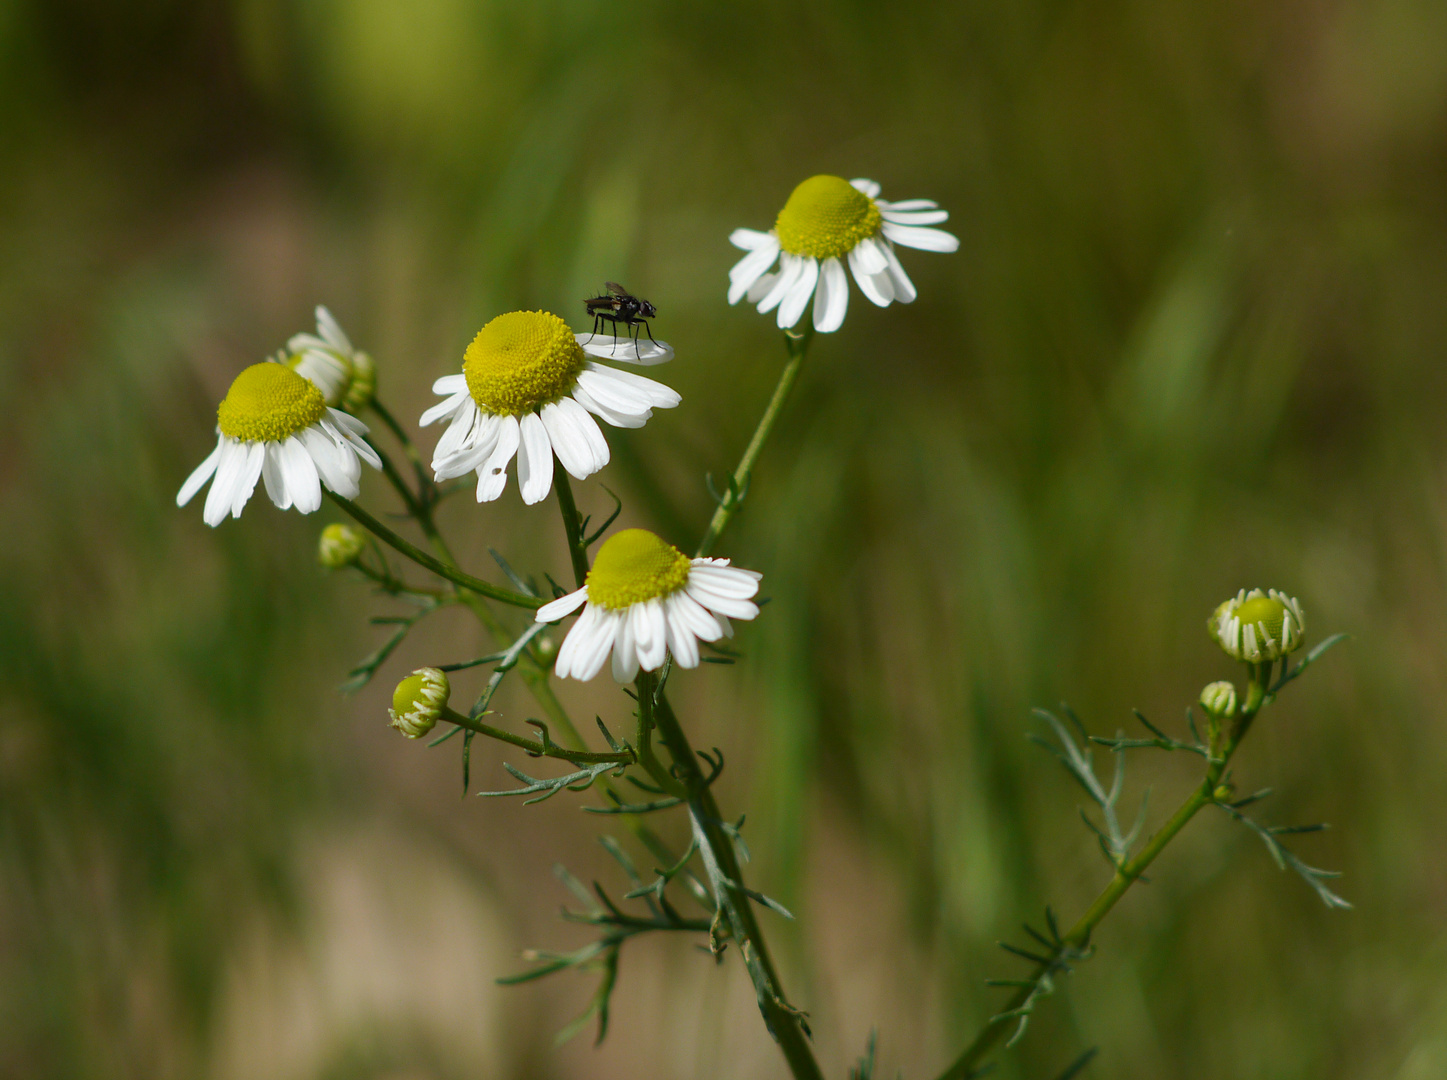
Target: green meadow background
1193	340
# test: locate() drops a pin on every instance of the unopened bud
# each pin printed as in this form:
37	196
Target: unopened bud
364	383
547	647
418	702
1258	627
340	545
1219	699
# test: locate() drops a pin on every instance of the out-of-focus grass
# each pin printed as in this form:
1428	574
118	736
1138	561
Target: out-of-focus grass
1191	342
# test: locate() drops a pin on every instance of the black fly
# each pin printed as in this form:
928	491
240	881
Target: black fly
621	306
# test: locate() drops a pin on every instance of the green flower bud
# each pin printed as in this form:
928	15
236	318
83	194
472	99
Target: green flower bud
547	649
1258	627
418	702
364	383
340	545
1219	699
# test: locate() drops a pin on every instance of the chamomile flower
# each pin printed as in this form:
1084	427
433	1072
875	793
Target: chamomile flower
276	426
347	378
827	222
1258	627
528	390
644	597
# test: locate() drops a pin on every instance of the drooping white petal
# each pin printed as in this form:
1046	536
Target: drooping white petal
720	604
331	462
724	579
332	332
572	449
619	388
223	488
200	474
459	434
798	297
832	301
869	187
752	239
586	646
904	290
650	631
918	237
792	268
588	428
251	473
761	288
625	647
906	204
877	288
535	459
868	257
299	472
492	474
274	479
443	409
748	270
563	606
681	643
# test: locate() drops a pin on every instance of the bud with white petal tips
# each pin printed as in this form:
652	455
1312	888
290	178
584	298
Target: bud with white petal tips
364	383
1219	699
419	701
1258	627
340	545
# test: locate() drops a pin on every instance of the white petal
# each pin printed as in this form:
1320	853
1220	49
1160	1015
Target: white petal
907	204
329	459
918	217
443	409
535	459
200	474
588	428
300	473
748	270
616	417
641	350
274	479
251	473
478	447
798	299
332	332
460	435
618	388
722	605
904	290
695	617
625	650
867	257
651	633
924	239
752	239
451	384
760	289
563	605
792	270
347	423
681	643
586	646
492	475
726	580
567	442
832	301
223	489
869	187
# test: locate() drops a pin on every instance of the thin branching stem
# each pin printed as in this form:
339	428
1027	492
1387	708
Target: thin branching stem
547	748
1077	938
729	501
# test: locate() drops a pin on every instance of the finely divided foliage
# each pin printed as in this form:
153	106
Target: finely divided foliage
530	389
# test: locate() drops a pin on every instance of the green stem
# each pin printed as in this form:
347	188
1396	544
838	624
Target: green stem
441	569
572	525
784	1022
798	345
1078	937
534	747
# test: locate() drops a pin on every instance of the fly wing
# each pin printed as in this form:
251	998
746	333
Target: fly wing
594	303
616	289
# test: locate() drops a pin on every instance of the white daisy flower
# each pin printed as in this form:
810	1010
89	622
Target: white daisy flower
644	597
276	426
347	378
526	389
826	222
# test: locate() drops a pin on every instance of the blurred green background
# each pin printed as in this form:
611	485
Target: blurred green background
1192	341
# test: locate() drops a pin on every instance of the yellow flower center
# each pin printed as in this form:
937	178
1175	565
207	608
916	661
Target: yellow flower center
269	402
1262	609
826	216
633	566
521	361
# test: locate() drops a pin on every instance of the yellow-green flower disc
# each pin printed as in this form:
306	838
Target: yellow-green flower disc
633	566
267	403
825	217
521	361
1264	611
